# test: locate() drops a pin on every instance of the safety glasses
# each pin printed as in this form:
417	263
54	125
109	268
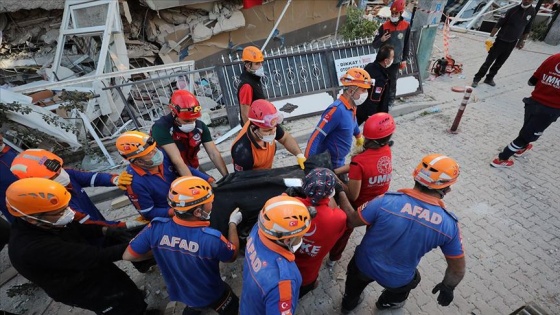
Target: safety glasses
270	120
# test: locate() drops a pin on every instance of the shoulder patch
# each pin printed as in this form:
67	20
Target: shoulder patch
451	214
212	232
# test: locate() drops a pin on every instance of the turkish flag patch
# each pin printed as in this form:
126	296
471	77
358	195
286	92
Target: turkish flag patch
292	223
285	307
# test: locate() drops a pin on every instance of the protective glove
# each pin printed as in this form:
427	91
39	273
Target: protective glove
138	221
235	217
489	43
359	141
122	180
118	234
445	294
403	65
300	160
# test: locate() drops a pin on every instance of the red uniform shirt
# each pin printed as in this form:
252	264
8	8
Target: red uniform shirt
374	168
326	228
547	89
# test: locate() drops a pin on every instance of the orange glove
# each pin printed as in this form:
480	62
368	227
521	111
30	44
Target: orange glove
403	65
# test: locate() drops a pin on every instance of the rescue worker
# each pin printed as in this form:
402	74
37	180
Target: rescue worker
188	251
369	172
403	227
327	225
255	145
250	87
180	134
152	173
271	279
7	155
338	123
378	93
394	32
541	110
513	29
50	249
39	163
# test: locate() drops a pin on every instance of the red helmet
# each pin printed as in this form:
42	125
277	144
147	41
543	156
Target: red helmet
264	115
398	6
379	126
184	105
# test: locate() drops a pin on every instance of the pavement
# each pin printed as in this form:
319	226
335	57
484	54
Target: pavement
509	217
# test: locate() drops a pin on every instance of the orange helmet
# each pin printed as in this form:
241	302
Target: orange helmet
252	54
264	114
284	217
398	6
185	105
135	144
379	126
187	192
356	77
436	171
30	196
36	163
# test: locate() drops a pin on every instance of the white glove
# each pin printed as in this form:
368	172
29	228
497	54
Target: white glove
235	217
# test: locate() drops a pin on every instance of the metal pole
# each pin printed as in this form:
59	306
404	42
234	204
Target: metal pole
276	24
92	132
466	96
338	20
128	109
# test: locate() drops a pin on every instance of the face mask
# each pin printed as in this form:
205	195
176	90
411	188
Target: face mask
259	72
186	128
294	247
390	63
157	159
362	99
269	138
332	193
525	6
66	218
395	19
63	178
204	215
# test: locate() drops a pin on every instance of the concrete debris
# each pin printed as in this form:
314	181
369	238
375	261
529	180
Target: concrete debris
225	24
17	5
201	33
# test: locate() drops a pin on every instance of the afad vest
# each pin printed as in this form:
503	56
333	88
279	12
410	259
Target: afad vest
398	36
255	82
187	143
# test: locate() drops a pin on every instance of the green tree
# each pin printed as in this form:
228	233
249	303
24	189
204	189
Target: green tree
356	26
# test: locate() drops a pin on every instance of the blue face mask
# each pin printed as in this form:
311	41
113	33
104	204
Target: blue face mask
157	159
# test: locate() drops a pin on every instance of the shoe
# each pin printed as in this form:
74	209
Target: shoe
348	310
330	263
490	82
474	83
390	143
523	151
501	163
389	306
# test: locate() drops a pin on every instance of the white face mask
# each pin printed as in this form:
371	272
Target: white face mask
390	63
65	219
332	193
259	72
294	247
525	6
395	19
188	127
63	178
362	99
205	215
269	138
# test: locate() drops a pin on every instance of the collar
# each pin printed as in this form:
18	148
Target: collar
322	202
6	149
254	140
186	223
275	247
422	197
346	103
143	172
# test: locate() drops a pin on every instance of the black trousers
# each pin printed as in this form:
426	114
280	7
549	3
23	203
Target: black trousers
537	118
497	56
227	304
356	282
4	232
392	71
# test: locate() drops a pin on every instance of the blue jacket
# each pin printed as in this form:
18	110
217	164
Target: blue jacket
7	156
334	132
188	254
271	278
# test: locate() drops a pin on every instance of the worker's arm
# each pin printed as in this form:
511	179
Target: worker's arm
290	143
215	157
354	187
353	217
455	271
175	157
245	100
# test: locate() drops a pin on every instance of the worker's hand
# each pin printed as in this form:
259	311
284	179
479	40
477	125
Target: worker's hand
520	44
385	36
300	160
403	65
138	221
359	141
489	43
445	294
122	180
235	217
